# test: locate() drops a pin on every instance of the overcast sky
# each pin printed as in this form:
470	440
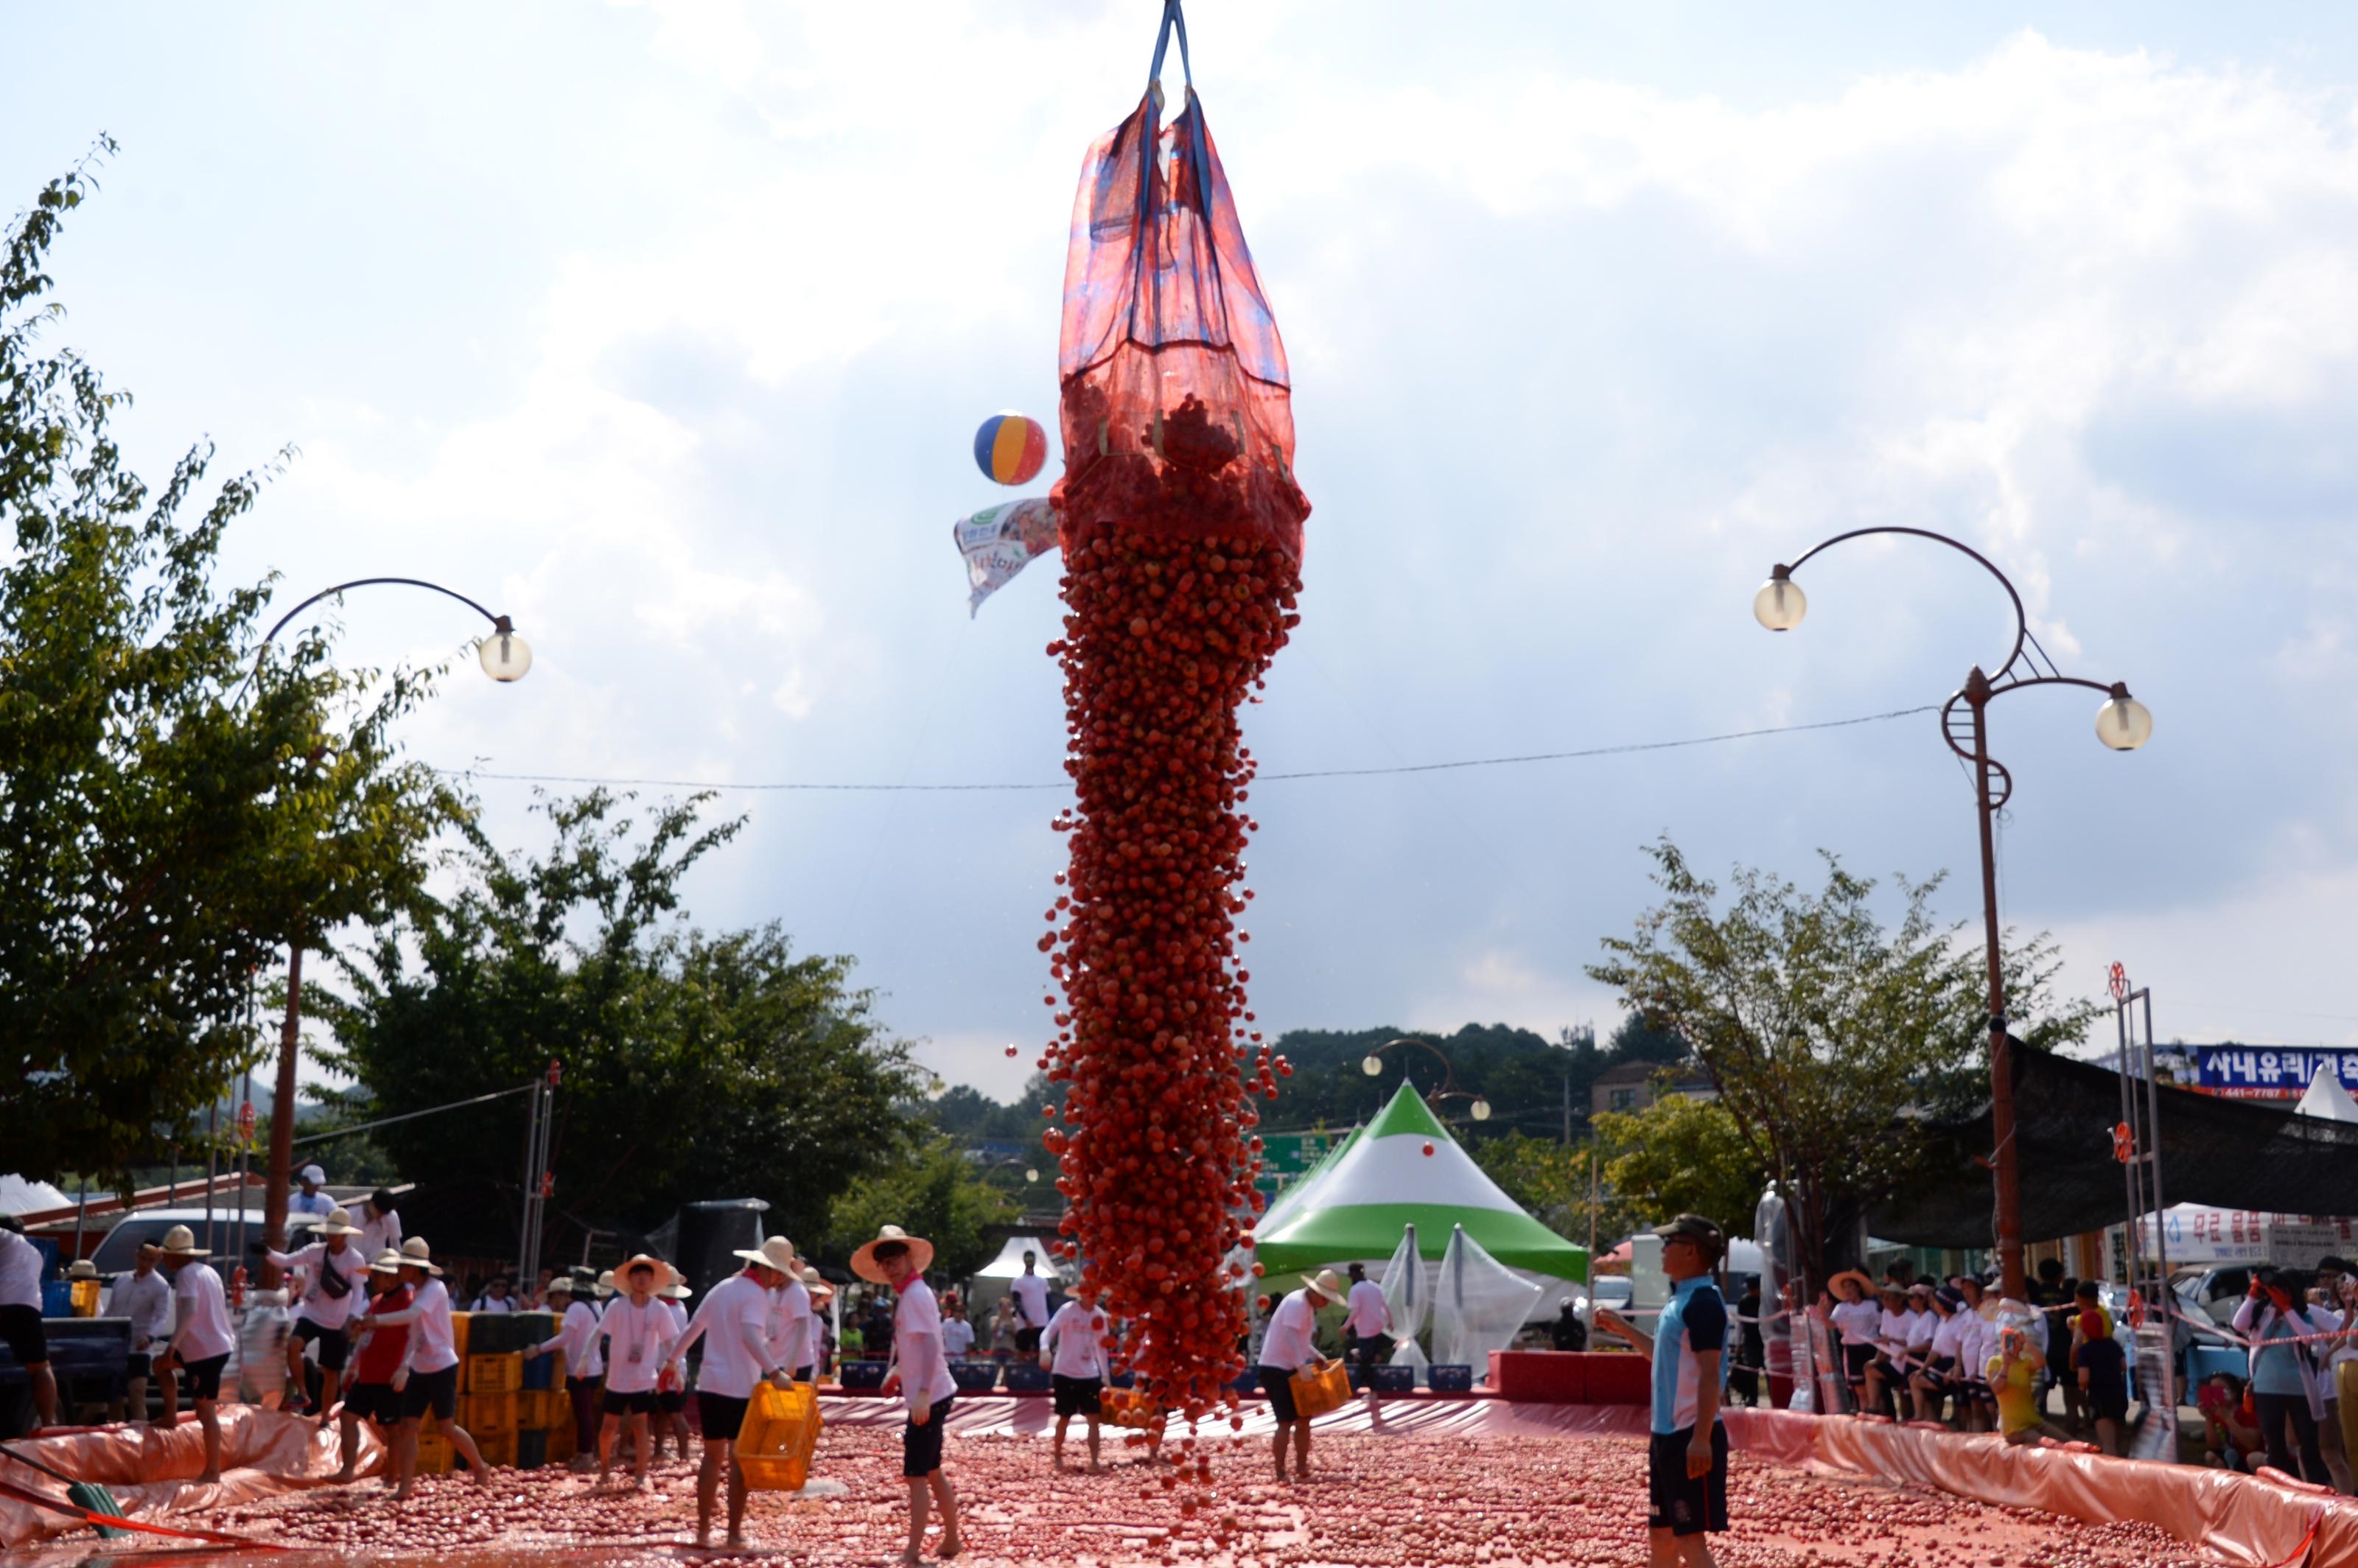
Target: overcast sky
666	330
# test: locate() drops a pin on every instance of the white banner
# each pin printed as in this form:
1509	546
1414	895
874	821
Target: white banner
999	541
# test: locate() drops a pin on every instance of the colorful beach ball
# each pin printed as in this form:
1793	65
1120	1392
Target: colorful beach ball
1011	448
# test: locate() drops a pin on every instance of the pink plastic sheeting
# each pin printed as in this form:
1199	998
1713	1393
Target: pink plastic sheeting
151	1473
2240	1517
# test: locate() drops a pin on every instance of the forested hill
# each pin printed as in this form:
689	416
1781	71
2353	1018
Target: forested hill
1525	1076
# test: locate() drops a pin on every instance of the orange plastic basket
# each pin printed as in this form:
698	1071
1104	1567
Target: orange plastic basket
1327	1389
778	1437
1127	1408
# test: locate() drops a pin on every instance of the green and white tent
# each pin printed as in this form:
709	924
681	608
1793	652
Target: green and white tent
1355	1205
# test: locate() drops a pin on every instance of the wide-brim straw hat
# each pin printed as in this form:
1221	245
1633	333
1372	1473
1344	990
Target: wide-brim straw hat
339	1223
181	1242
665	1275
605	1284
561	1286
777	1253
1867	1287
864	1264
416	1254
387	1262
677	1290
82	1268
1327	1284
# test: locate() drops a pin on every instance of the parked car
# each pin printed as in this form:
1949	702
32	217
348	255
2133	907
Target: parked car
116	1254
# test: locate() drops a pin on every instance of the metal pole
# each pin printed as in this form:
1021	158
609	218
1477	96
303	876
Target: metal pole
1592	1226
213	1168
531	1185
2008	1172
1567	1109
282	1119
82	1214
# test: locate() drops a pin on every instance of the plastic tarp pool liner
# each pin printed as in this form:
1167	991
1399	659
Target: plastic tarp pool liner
152	1472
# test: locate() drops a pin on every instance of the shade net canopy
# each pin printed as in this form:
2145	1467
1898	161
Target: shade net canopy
1408	1296
2229	1153
1478	1306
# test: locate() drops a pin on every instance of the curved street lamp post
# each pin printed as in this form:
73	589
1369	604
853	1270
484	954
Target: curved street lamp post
504	657
2122	723
1373	1065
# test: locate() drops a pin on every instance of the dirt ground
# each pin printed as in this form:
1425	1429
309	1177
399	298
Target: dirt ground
1373	1501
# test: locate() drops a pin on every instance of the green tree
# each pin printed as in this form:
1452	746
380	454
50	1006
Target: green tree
694	1066
176	808
1680	1155
1550	1179
938	1195
1827	1036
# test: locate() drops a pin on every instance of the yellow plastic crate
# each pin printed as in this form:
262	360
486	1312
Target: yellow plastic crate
494	1373
488	1415
537	1409
1327	1389
435	1457
779	1436
560	1443
498	1451
459	1331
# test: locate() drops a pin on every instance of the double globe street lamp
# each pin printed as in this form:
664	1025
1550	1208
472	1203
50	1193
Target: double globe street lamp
2122	724
1373	1065
506	658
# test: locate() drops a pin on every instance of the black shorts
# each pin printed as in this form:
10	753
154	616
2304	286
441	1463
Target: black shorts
334	1343
138	1365
2108	1397
722	1416
437	1391
1682	1504
616	1402
21	1330
1856	1359
378	1402
1371	1349
1939	1373
1027	1341
806	1374
1076	1395
202	1379
1277	1382
671	1402
921	1446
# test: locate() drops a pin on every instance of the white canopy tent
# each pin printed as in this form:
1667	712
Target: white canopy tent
992	1280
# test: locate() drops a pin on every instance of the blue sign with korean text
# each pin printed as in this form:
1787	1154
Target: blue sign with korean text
2269	1072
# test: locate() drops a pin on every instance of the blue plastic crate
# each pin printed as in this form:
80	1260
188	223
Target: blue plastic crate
1458	1379
1026	1378
537	1370
861	1375
975	1377
1122	1380
46	1246
57	1298
1395	1379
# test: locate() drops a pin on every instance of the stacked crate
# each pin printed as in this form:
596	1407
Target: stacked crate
435	1456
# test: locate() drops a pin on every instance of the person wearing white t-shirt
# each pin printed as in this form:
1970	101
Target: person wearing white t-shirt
639	1336
1030	1294
1368	1326
957	1333
427	1377
20	1317
1073	1351
334	1288
671	1390
380	1225
577	1337
921	1374
144	1296
1288	1345
308	1198
200	1344
733	1322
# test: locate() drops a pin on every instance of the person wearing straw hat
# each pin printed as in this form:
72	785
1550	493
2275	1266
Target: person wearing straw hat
20	1317
733	1322
671	1388
792	1329
428	1374
639	1336
920	1373
1288	1345
1858	1319
1072	1349
378	1354
332	1281
578	1335
200	1346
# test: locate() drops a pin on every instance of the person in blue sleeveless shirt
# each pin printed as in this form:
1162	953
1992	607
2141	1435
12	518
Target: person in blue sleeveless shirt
1687	1462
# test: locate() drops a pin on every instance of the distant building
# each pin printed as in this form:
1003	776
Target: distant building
1630	1086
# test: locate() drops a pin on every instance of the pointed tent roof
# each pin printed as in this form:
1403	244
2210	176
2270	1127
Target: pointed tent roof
1382	1180
2325	1096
